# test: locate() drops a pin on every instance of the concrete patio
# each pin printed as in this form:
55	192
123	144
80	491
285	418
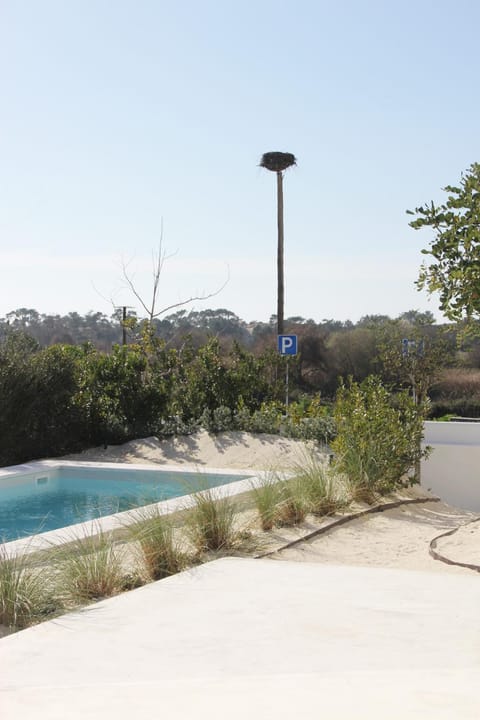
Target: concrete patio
241	638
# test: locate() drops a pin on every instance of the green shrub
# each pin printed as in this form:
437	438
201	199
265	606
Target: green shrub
377	443
218	420
268	419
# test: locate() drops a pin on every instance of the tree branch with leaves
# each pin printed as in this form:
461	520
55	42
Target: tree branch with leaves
454	271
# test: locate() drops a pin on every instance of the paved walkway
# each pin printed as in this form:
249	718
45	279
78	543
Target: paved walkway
257	639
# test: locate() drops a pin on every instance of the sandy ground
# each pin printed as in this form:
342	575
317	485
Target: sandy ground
226	450
397	538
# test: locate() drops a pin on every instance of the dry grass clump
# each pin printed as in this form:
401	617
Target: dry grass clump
324	489
160	551
312	487
211	525
280	502
293	507
90	567
26	595
267	496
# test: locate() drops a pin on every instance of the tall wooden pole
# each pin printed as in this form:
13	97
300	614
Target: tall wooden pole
280	284
277	162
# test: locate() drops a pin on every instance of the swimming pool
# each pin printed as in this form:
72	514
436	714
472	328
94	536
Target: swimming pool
49	495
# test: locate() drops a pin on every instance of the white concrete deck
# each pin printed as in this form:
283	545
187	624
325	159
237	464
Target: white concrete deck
257	639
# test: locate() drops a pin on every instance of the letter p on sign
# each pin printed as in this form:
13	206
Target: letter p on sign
287	344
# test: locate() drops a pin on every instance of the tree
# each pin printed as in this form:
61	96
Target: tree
150	306
455	249
413	355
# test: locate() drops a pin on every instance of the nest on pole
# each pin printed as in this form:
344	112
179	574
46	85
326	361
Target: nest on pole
277	161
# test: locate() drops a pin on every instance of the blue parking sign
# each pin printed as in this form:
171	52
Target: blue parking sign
287	344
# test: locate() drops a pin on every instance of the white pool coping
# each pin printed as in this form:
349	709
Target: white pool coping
121	520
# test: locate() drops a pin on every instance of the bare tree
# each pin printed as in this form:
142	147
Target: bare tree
151	305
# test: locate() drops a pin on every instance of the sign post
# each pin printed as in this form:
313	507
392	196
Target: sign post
287	345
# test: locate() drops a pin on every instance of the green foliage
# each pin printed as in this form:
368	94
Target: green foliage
37	414
219	420
420	367
306	419
455	249
377	442
211	381
122	394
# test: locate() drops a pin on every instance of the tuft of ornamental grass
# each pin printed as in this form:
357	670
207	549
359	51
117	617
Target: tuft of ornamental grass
293	507
90	566
26	594
324	489
211	523
361	482
362	492
161	554
267	496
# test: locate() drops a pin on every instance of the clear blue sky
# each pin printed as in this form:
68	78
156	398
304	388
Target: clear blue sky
116	114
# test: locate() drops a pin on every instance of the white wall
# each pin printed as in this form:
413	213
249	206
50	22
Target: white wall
453	469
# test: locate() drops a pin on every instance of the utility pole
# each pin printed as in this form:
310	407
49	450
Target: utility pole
278	162
124	309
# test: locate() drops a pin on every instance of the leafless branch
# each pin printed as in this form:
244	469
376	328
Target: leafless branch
193	298
158	261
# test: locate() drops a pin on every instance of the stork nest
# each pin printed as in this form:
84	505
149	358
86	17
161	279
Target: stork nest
277	161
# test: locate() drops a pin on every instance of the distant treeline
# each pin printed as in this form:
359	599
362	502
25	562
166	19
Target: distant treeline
104	331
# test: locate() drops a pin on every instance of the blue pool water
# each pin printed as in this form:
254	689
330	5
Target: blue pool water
55	499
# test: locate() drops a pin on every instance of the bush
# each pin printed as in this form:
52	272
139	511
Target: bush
319	429
268	419
376	444
218	420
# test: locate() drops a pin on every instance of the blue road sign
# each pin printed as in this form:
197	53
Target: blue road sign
287	344
411	347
